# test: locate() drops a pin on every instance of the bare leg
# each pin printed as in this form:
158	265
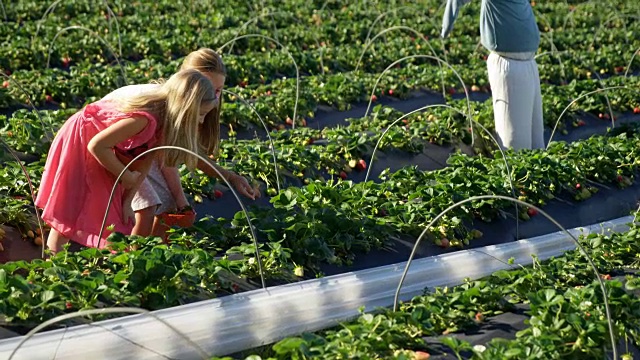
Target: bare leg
144	221
55	241
160	229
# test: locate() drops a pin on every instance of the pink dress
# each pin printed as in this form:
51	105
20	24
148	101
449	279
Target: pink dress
75	187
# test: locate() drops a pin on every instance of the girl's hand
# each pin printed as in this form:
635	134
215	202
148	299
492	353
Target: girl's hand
242	186
130	179
182	203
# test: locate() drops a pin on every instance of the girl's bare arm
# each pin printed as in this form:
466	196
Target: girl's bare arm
101	147
172	177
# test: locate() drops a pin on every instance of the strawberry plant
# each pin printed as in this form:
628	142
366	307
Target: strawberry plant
324	215
564	313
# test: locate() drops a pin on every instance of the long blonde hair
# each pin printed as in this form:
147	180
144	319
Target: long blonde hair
176	105
208	61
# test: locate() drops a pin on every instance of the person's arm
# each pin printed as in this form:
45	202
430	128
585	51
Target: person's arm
239	182
172	177
205	167
450	14
102	144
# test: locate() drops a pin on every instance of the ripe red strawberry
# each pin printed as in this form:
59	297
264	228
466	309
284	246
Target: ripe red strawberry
49	98
601	116
374	98
606	277
532	212
343	175
66	61
620	178
444	243
217	194
451	91
5	84
243	84
361	165
390	92
578	186
636	110
606	116
289	121
581	123
268	92
68	305
479	317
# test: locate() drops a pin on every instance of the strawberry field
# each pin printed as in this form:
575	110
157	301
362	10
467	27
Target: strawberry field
361	126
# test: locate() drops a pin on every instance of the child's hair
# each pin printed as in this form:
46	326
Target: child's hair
177	106
208	61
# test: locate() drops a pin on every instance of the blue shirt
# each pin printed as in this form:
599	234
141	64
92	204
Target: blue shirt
505	25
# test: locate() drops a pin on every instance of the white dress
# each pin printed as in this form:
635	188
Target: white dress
154	191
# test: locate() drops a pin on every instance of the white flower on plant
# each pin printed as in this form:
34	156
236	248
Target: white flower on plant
251	260
586	304
479	348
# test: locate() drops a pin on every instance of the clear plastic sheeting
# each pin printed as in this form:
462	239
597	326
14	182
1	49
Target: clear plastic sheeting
251	319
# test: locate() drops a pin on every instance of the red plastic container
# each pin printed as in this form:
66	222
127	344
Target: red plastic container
185	219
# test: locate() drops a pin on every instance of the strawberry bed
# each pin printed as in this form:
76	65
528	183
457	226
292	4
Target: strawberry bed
552	309
322	218
304	228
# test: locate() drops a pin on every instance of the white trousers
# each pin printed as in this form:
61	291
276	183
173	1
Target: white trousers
517	102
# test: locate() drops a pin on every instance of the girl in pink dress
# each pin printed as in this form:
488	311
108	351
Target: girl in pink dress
161	191
92	147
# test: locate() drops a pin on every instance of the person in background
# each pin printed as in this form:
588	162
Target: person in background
508	29
162	191
94	145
